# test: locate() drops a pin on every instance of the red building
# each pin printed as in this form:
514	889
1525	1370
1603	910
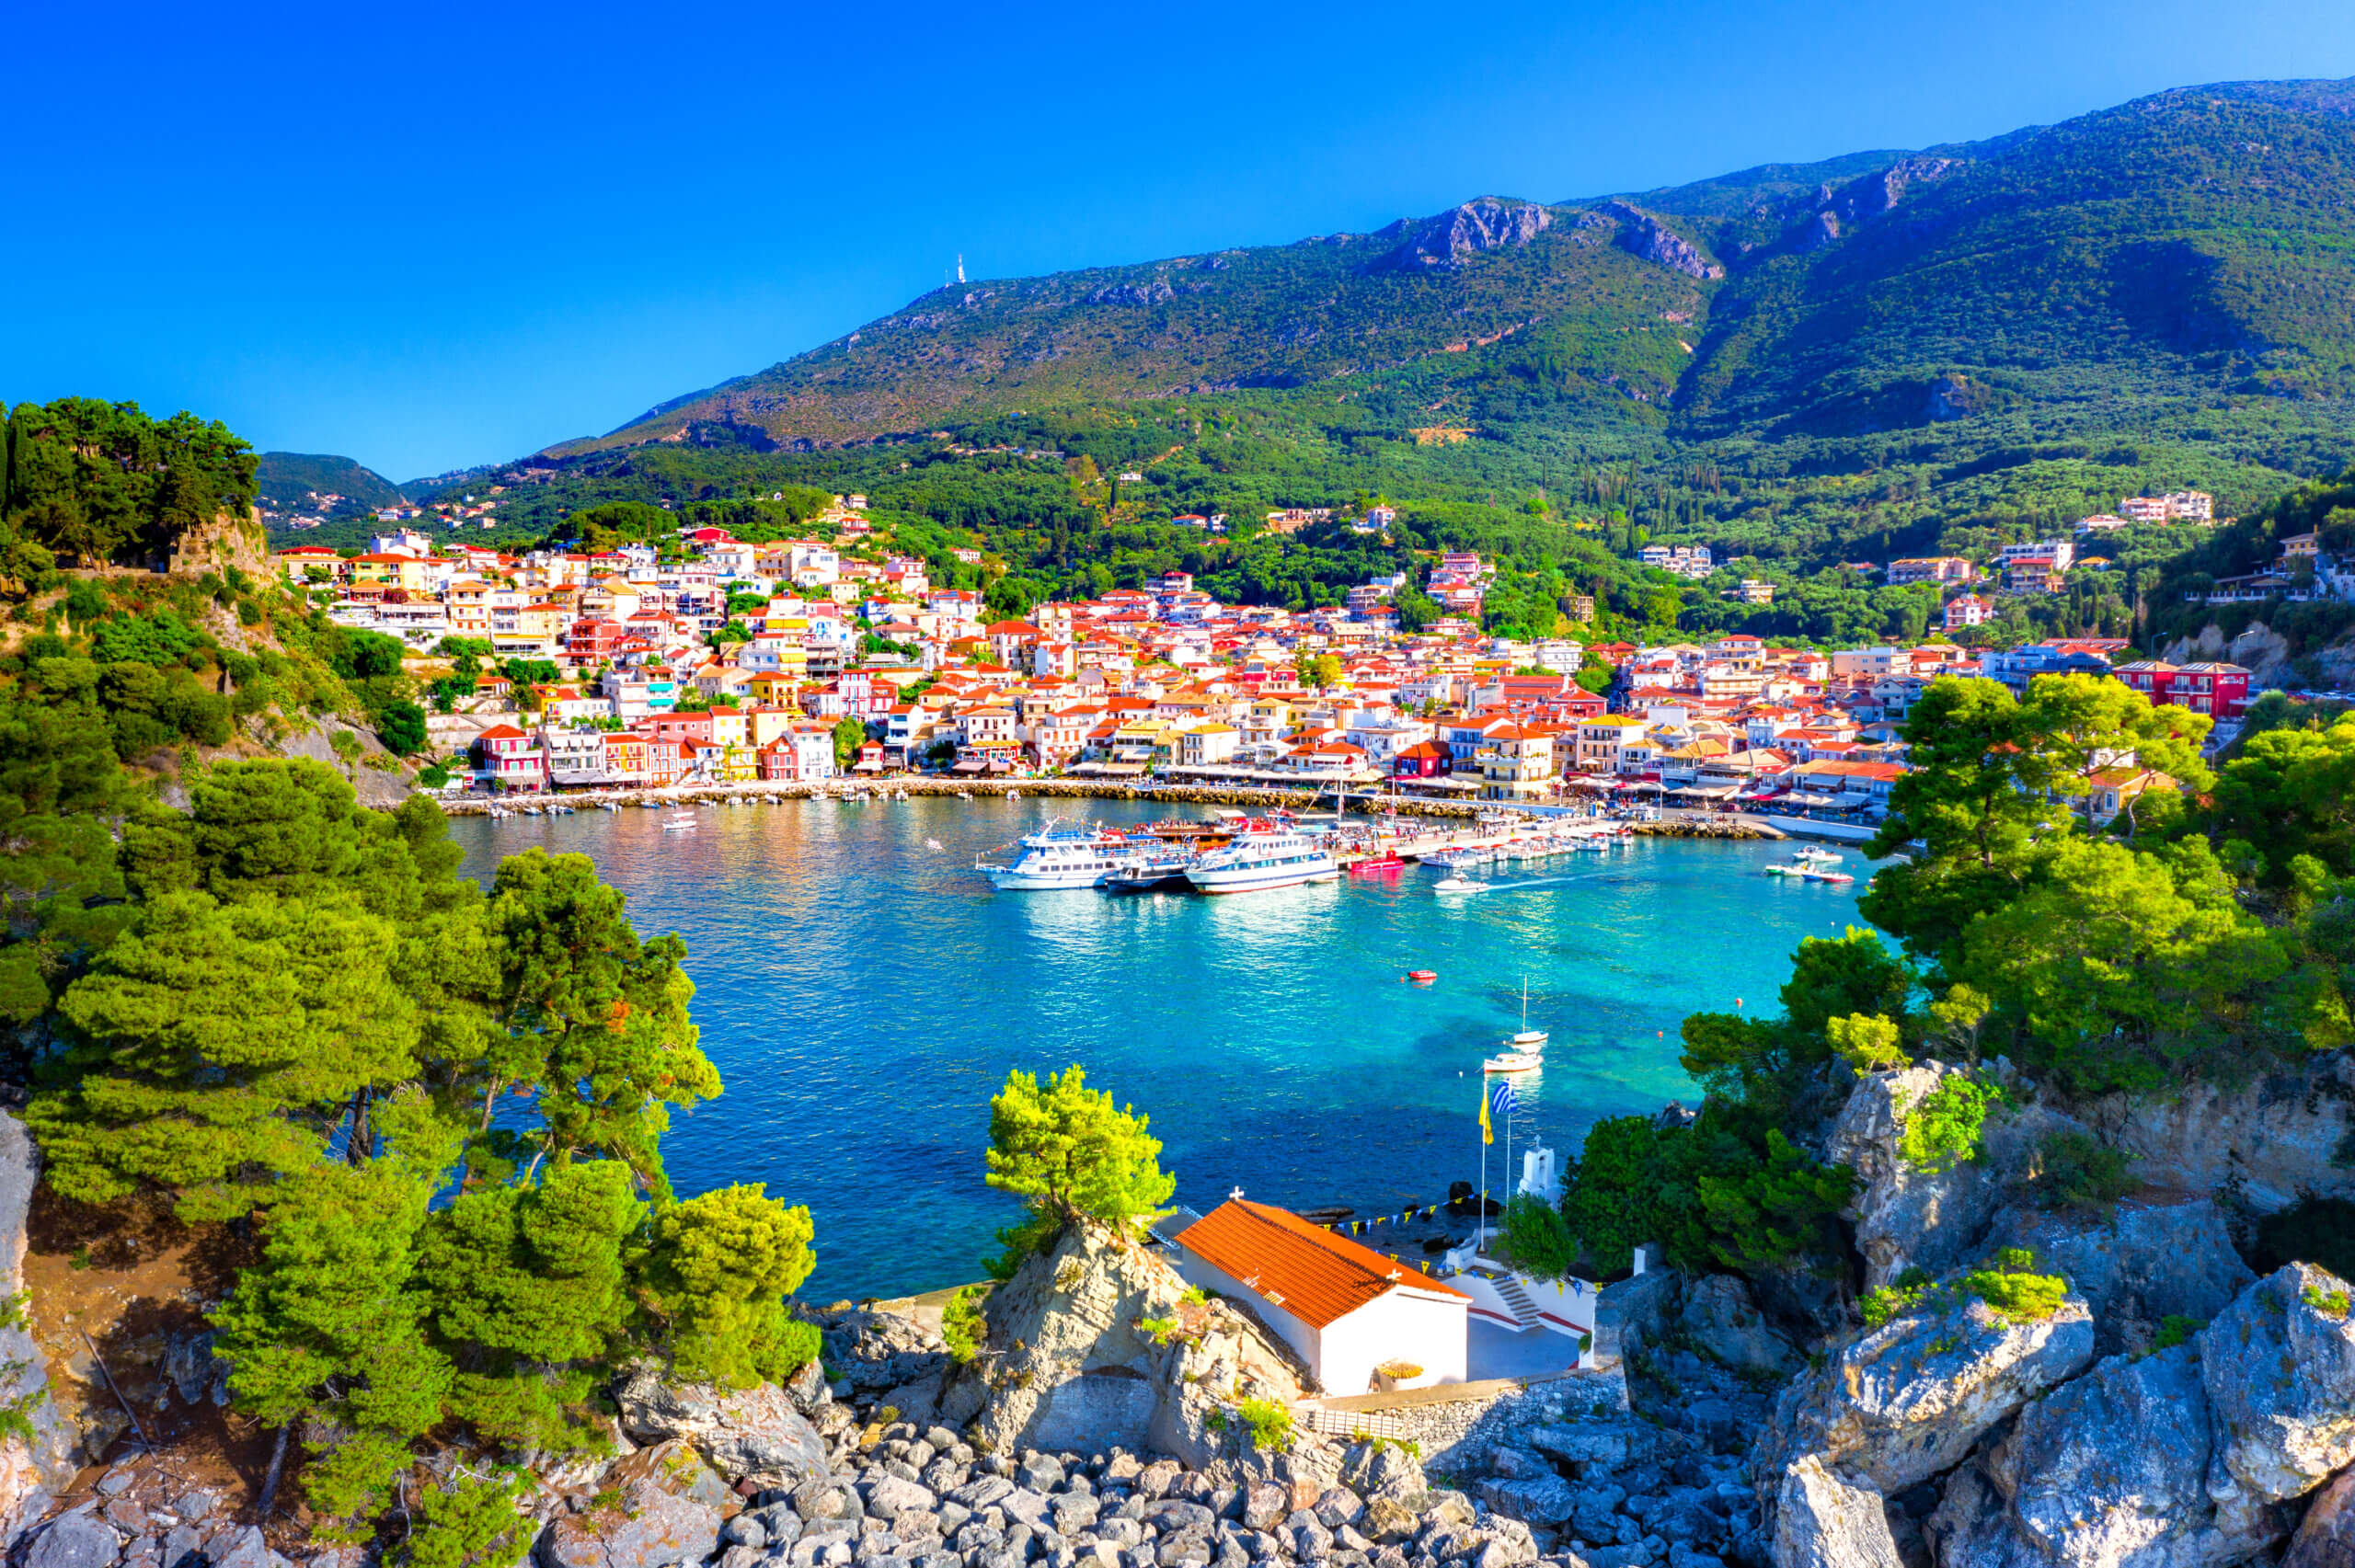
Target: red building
1426	759
2220	690
590	641
506	757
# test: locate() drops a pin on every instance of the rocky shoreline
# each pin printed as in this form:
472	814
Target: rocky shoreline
2164	1406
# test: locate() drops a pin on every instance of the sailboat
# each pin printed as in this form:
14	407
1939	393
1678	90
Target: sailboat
1526	1051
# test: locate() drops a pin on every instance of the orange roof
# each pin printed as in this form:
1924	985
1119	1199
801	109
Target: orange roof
1308	1271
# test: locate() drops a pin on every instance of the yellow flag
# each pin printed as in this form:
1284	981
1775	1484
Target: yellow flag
1487	1133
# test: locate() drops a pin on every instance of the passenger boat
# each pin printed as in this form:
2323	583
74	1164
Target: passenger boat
1263	856
1061	855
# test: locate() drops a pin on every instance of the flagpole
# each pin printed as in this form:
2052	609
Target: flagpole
1480	1217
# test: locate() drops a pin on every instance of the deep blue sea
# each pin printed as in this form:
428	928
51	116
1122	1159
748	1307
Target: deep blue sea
864	993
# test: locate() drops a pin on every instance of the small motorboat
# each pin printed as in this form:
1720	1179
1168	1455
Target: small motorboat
1378	865
1458	883
1514	1061
679	822
1421	977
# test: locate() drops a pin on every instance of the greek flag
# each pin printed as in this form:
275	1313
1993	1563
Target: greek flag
1500	1101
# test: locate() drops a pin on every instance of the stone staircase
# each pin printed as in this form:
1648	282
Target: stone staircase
1516	1300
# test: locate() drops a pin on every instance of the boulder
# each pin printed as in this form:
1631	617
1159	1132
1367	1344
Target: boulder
1722	1320
1907	1218
2112	1468
1824	1520
75	1540
1070	1367
2157	1255
2279	1365
1637	1311
2326	1538
756	1433
656	1506
1906	1401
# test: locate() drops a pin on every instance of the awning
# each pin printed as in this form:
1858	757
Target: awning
970	765
1122	770
871	765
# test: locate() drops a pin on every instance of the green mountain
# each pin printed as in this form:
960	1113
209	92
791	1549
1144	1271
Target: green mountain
1802	366
2189	249
287	480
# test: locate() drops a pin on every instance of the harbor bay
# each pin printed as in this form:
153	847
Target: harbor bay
864	992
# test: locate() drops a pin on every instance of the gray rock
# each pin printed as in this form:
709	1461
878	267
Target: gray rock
1909	1400
1642	234
1586	1448
1637	1311
667	1509
193	1505
1548	1500
1720	1316
890	1496
2112	1468
2326	1537
756	1433
238	1549
2156	1257
2279	1365
73	1541
1454	238
2270	1142
1823	1520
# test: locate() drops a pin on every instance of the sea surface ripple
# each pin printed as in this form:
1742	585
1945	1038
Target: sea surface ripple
864	995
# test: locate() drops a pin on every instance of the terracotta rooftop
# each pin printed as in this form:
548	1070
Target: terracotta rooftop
1316	1275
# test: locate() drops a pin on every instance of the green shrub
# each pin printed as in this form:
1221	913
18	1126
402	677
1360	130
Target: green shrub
1270	1424
1867	1042
2175	1329
2015	1290
962	1326
2329	1303
1949	1128
2075	1170
1537	1238
471	1522
1879	1306
1160	1330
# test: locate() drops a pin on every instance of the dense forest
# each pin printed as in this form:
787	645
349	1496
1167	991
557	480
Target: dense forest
89	483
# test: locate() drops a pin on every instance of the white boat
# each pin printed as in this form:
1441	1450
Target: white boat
1458	883
1061	856
1261	857
1525	1049
679	822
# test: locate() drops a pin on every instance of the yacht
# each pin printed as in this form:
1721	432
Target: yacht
1525	1050
1151	869
1263	855
1062	854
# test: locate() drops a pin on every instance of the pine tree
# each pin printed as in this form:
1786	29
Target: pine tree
224	1043
1072	1152
722	1264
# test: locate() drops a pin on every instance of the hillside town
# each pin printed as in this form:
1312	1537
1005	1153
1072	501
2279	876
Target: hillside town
715	661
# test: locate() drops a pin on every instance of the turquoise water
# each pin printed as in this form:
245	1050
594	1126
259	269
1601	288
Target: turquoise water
864	994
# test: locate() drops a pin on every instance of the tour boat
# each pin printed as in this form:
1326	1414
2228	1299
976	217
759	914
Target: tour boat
1061	856
1263	856
1421	977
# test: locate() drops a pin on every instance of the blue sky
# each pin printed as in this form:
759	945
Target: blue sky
432	234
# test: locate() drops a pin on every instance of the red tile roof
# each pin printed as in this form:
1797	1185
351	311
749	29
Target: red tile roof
1308	1271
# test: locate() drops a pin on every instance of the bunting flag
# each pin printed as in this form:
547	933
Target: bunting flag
1487	1133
